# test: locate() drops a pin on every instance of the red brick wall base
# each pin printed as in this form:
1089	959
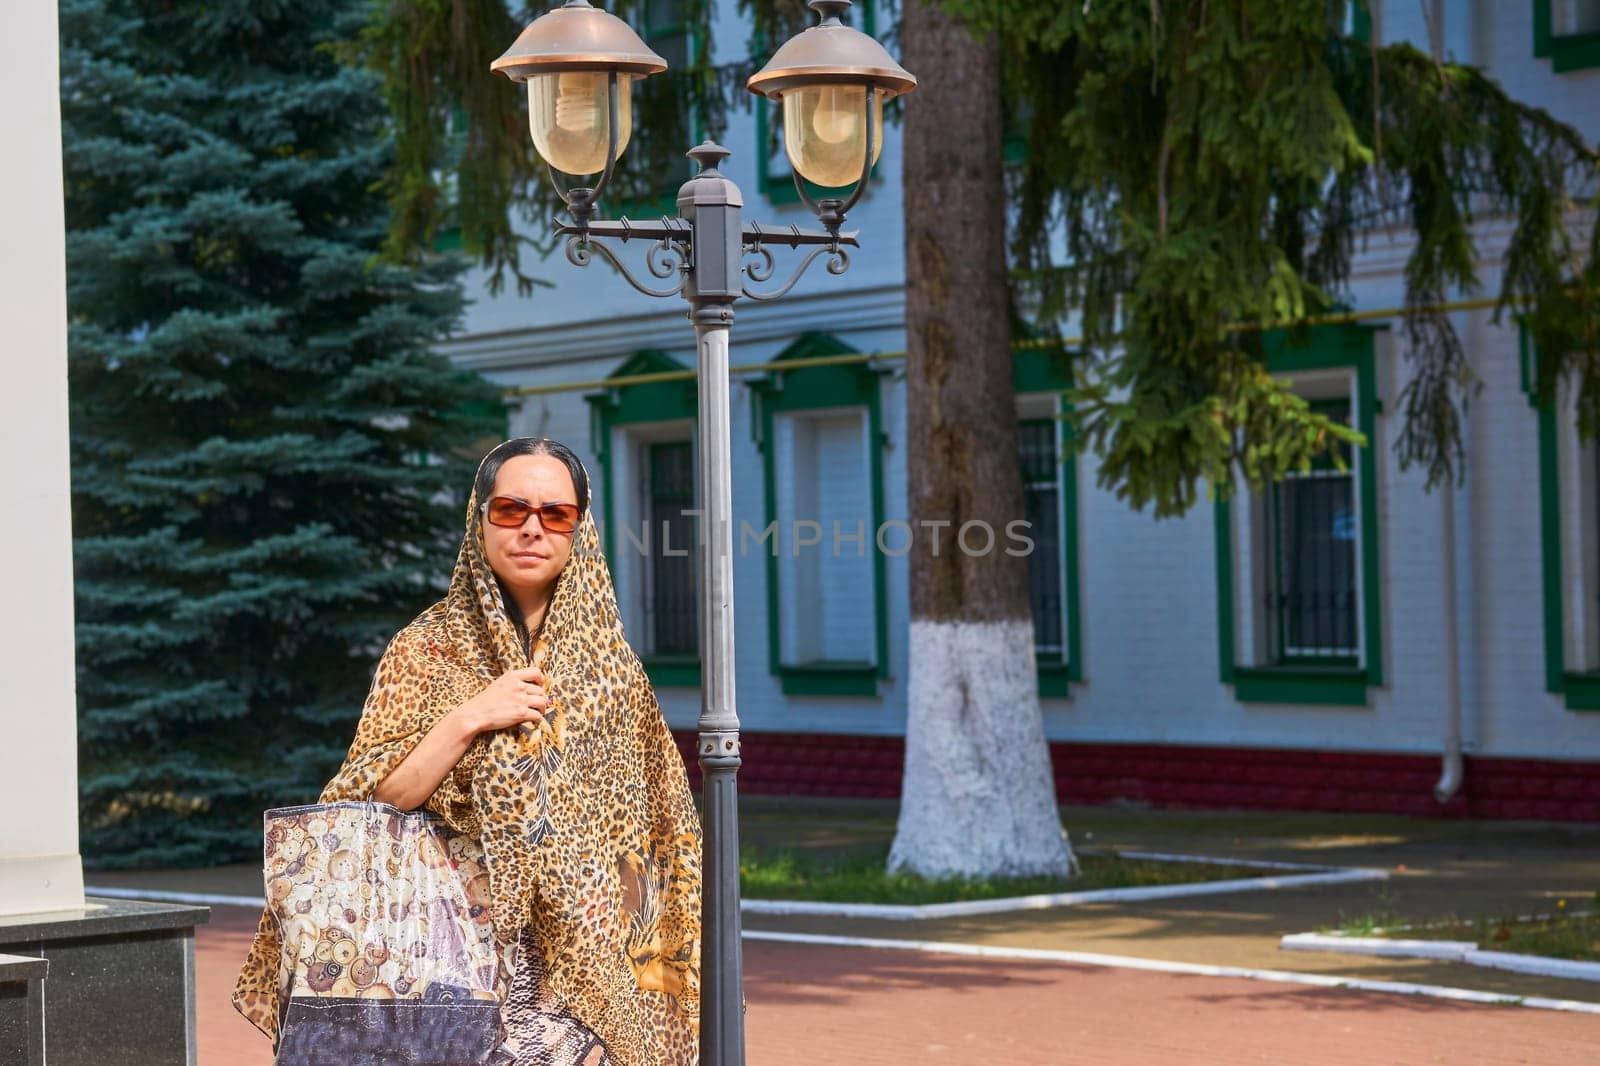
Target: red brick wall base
834	764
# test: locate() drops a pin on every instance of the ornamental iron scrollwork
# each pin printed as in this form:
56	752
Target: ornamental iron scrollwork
762	270
669	253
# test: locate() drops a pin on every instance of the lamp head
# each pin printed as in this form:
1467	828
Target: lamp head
568	56
577	36
832	81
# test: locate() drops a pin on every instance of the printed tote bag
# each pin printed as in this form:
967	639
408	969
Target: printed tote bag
388	954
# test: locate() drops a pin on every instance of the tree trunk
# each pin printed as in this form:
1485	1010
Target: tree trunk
978	797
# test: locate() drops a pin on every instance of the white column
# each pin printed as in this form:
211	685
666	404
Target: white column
39	864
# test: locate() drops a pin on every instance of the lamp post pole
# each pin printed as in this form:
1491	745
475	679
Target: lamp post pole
711	204
580	63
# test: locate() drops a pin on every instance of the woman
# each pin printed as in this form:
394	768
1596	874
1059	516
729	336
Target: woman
515	710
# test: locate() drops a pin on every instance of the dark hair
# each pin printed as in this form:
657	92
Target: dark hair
492	463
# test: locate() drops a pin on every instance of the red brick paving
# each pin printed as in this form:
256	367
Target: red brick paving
226	1039
813	1004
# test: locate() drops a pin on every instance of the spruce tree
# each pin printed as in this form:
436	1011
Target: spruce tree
268	461
1195	174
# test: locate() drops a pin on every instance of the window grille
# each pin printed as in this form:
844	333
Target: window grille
1312	525
1041	490
672	610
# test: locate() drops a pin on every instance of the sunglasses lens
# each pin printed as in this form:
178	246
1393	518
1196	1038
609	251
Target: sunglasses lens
508	512
559	517
554	517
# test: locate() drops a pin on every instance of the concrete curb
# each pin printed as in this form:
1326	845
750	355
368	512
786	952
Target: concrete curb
1536	964
1448	950
1127	962
1314	875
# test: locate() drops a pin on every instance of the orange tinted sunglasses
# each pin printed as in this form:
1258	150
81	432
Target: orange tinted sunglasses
510	512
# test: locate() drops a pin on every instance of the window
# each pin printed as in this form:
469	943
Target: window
1358	20
671	611
1569	525
1297	564
1041	495
1567	32
819	431
1040	375
774	174
643	433
1311	596
824	477
1574	18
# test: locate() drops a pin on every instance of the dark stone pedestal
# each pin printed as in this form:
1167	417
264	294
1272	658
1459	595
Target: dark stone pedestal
120	987
22	1010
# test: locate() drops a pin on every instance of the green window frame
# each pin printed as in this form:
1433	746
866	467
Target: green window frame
773	174
633	404
1360	21
1566	51
1578	688
1048	371
815	389
1293	680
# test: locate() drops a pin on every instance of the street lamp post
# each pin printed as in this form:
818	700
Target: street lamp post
580	63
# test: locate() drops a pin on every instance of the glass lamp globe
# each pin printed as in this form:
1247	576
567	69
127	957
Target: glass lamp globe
569	115
825	131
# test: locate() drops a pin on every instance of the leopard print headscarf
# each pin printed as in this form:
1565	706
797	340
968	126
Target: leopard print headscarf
590	833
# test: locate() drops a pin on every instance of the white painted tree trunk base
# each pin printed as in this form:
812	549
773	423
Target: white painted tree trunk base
979	796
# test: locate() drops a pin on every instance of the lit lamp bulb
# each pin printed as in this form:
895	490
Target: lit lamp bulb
837	114
577	108
569	115
824	133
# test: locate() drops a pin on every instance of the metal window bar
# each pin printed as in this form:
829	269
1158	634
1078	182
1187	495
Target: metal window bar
1312	602
671	607
1041	492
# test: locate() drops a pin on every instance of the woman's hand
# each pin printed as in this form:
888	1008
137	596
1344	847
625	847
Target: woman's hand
515	697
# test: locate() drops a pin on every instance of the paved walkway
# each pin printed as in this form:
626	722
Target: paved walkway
812	1005
1437	869
823	1004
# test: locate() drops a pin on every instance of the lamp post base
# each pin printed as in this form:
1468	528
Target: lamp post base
721	953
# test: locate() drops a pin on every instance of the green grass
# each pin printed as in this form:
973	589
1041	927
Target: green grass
1375	924
1563	935
861	877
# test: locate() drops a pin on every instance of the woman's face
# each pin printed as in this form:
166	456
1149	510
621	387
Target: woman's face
529	559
